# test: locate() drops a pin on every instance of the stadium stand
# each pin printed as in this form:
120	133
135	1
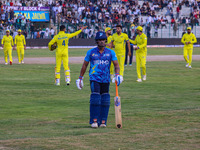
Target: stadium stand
159	18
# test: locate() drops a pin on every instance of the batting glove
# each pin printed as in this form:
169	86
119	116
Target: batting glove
118	78
79	83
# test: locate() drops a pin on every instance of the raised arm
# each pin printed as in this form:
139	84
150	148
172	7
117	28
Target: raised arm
77	32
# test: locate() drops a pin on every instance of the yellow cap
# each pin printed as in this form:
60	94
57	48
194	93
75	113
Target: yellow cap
7	30
188	28
107	29
19	30
139	28
132	25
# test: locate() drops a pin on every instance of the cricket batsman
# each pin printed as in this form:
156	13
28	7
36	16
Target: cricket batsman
188	40
60	43
141	53
119	40
7	43
20	42
100	59
109	38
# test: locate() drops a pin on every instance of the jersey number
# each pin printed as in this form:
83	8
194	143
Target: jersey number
63	43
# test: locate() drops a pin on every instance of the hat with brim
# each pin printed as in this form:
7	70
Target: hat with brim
188	28
19	30
7	30
139	28
107	29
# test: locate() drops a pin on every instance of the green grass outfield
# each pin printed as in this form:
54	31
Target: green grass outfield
82	52
161	113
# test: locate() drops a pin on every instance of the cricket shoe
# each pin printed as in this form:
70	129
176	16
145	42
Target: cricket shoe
130	64
10	62
102	126
57	82
125	65
67	81
6	63
144	77
22	62
190	67
187	65
94	125
139	80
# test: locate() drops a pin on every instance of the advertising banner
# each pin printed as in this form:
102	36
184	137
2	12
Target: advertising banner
26	8
35	16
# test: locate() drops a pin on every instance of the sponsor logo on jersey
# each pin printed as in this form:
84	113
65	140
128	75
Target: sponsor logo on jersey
106	55
106	62
94	55
101	62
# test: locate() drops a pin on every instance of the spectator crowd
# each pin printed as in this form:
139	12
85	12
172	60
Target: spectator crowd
98	14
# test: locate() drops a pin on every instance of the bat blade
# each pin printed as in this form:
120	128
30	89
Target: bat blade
118	113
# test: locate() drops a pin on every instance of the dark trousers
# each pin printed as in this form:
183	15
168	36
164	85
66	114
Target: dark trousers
131	58
99	102
100	88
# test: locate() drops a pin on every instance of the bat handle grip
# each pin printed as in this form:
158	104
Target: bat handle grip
116	88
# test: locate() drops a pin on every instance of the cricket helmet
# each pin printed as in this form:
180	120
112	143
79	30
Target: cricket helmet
100	35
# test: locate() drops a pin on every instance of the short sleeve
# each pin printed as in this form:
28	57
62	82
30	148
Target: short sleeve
114	56
87	57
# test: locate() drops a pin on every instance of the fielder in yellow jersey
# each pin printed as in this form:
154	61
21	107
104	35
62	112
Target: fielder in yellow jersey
7	43
62	40
141	53
20	42
109	40
188	40
119	40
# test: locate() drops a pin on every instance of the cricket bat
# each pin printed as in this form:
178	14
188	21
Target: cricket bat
118	113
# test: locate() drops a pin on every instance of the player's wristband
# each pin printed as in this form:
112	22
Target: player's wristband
81	77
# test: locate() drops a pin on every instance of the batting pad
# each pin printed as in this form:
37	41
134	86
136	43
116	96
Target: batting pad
95	107
105	105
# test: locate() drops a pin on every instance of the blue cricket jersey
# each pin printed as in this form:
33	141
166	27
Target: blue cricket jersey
100	64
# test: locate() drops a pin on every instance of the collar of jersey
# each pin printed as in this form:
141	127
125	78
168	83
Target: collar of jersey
99	50
61	31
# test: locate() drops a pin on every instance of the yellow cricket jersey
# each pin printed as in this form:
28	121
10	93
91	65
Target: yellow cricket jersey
120	42
7	41
188	38
109	39
20	40
141	41
62	40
